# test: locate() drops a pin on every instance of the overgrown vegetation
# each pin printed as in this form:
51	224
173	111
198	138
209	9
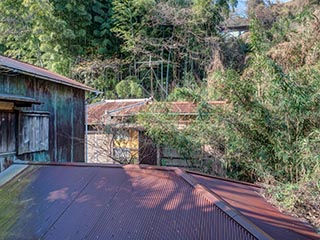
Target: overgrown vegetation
270	129
194	137
162	44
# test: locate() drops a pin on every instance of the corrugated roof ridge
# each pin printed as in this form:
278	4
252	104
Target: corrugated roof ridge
223	205
64	80
120	101
96	103
182	102
223	179
127	100
194	103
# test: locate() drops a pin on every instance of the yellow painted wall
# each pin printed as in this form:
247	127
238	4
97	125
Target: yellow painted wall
128	139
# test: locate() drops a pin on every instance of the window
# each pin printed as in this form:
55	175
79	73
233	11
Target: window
33	132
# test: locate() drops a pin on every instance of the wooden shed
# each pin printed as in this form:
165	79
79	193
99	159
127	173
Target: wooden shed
42	114
114	136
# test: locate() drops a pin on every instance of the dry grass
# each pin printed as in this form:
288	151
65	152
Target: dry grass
299	200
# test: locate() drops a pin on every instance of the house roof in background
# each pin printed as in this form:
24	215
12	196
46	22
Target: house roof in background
188	107
129	107
34	71
120	107
81	201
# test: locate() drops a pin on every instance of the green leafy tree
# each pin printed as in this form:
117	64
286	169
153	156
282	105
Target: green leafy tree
129	88
55	33
104	40
273	104
128	18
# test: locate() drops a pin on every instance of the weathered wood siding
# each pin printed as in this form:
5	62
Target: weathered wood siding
7	132
66	115
33	133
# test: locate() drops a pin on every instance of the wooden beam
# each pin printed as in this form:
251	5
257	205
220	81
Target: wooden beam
8	106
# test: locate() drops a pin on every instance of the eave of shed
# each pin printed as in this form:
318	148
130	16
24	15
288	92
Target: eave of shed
42	73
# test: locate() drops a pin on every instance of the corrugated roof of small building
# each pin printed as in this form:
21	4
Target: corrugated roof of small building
31	70
80	201
129	107
97	112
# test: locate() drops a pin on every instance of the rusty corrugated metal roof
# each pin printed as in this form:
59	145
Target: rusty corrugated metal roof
128	107
80	201
31	70
98	112
246	199
188	107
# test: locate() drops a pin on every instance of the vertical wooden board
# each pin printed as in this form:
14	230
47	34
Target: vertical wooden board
79	125
63	133
41	133
12	132
46	134
1	131
6	84
33	132
30	126
72	136
7	132
23	135
23	141
27	134
4	131
38	138
1	83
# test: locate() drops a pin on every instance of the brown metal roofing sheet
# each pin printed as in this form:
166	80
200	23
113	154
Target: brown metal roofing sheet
39	72
245	199
188	107
69	202
98	111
